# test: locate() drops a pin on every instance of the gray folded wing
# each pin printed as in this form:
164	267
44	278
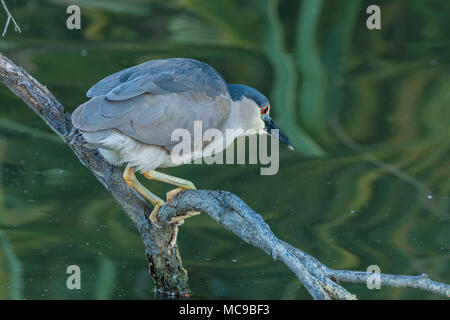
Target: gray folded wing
149	101
152	119
161	77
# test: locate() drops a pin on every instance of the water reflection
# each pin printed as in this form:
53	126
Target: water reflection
372	106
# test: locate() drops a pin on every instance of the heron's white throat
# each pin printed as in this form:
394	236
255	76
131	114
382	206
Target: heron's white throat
245	114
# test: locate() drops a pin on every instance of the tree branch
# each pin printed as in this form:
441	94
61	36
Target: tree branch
226	208
164	262
9	19
320	281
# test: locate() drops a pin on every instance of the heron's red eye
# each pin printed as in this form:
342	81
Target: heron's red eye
264	110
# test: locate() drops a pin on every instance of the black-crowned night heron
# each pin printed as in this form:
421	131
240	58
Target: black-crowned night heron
132	114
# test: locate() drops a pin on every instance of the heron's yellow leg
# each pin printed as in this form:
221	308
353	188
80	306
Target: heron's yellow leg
155	175
181	183
130	178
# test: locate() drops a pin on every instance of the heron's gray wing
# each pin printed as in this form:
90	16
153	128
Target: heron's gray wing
152	119
101	114
173	75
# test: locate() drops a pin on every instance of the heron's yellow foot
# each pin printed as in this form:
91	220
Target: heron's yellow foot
179	220
130	178
154	214
174	192
180	183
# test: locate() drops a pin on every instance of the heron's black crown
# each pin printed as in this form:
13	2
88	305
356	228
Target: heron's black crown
237	91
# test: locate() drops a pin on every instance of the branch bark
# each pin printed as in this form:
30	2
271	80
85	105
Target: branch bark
227	209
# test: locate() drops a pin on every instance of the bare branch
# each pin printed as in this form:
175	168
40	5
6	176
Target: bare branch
9	19
164	262
226	208
419	282
320	281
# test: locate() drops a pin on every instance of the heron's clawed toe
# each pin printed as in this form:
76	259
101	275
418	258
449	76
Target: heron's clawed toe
179	220
154	214
174	192
173	239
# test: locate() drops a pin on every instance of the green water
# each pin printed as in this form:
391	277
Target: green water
367	110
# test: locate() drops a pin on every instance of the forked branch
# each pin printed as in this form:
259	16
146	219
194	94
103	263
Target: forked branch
9	19
226	208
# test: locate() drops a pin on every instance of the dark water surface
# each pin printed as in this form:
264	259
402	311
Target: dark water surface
368	112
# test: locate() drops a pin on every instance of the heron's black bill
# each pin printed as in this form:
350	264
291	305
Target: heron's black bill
271	125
